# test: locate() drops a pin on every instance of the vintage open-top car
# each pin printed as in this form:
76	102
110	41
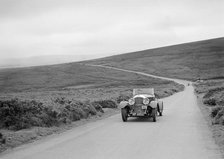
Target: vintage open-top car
142	104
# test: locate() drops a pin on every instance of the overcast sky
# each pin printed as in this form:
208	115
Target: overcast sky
104	27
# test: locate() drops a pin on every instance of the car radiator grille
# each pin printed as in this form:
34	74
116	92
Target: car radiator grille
138	100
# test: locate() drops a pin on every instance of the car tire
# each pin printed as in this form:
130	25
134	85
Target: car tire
124	114
160	110
160	114
154	114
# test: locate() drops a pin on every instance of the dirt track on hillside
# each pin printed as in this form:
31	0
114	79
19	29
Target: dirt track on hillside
181	133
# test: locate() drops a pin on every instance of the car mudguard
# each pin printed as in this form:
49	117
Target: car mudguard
123	104
153	104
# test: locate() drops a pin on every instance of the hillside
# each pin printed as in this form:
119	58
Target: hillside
75	81
202	59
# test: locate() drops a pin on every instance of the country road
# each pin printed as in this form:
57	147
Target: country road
181	133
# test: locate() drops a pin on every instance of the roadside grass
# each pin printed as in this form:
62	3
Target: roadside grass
16	138
22	121
16	114
211	92
212	95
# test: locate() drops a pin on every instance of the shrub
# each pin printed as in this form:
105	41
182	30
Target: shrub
210	101
62	100
16	115
122	98
215	111
218	114
107	103
211	92
2	139
97	106
221	120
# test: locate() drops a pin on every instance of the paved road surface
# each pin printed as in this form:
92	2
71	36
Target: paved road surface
181	133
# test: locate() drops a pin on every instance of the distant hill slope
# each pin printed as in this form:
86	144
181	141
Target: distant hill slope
73	76
202	59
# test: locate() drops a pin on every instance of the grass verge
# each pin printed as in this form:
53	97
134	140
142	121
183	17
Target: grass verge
25	136
24	121
211	97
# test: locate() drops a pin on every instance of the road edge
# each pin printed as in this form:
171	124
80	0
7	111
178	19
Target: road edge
215	129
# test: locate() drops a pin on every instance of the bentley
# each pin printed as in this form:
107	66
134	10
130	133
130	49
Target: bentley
143	103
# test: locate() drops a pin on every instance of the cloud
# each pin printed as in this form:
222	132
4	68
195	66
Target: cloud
101	27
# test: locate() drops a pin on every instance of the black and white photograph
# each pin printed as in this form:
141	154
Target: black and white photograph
111	79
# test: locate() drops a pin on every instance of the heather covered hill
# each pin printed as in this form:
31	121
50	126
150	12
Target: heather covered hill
71	76
202	59
76	81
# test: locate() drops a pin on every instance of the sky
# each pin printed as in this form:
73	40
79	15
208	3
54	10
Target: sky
85	29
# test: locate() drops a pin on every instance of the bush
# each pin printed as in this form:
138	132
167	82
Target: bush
218	114
210	101
97	106
122	98
219	117
2	139
211	92
107	103
16	115
221	120
215	111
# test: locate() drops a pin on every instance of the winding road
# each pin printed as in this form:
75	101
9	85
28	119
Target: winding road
181	133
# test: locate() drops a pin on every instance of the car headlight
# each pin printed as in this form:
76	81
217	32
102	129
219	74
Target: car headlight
131	101
146	101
